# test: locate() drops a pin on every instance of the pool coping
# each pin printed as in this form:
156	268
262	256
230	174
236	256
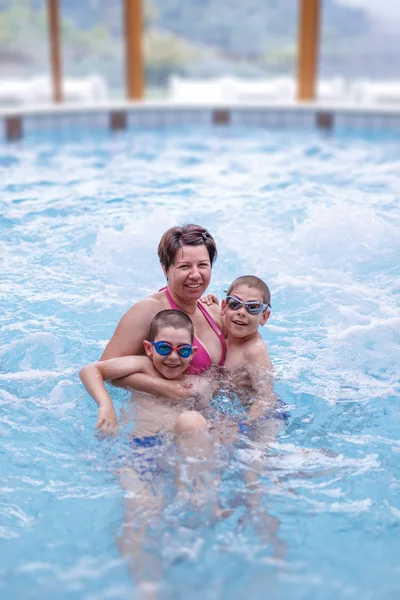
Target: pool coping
20	121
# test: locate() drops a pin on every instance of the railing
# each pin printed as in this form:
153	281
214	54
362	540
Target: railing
307	52
208	51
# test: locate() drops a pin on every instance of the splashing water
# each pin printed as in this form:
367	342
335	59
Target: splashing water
318	219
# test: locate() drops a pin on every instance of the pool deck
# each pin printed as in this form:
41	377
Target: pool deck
21	120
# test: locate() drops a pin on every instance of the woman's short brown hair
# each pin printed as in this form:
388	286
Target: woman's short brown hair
188	235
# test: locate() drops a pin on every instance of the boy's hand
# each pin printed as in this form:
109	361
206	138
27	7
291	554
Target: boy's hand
175	392
183	391
256	410
209	299
107	422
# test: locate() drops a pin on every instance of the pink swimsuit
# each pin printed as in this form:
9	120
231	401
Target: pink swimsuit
201	360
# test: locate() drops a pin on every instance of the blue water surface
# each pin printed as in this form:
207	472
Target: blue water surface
318	218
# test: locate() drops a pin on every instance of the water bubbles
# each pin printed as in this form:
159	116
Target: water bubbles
318	219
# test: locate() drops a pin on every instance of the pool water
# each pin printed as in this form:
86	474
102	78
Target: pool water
318	218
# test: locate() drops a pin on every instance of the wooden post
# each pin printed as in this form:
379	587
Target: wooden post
308	46
53	15
133	49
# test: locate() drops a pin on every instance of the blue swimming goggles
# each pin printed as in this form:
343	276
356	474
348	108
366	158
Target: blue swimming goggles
165	348
253	307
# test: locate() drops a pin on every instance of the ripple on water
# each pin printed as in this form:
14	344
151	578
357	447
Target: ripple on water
318	219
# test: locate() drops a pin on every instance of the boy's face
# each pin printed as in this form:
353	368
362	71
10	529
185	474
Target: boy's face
173	365
240	323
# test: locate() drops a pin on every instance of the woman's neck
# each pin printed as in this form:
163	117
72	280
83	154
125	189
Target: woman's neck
187	307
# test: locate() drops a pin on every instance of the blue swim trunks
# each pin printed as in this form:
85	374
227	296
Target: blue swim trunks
278	412
149	441
145	460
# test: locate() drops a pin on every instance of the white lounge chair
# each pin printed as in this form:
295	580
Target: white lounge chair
92	88
14	91
376	92
274	89
191	91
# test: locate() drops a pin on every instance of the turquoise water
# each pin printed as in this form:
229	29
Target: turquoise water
318	218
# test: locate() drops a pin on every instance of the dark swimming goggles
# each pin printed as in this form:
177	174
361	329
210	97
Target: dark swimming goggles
253	307
165	348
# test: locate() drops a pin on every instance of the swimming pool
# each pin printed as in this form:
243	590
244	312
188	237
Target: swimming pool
317	217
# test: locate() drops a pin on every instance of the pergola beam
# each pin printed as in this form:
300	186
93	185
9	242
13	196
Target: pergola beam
53	14
308	46
133	49
307	59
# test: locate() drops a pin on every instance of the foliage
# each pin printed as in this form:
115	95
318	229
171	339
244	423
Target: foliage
210	36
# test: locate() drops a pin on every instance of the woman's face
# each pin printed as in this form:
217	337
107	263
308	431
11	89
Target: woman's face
190	274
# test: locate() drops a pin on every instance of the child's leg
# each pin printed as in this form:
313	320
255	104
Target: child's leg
195	479
266	525
143	505
191	422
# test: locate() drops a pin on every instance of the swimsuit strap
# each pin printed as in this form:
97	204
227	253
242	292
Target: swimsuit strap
217	330
209	319
172	303
207	315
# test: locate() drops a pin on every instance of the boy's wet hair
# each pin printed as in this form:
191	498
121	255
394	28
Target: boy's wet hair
171	318
252	282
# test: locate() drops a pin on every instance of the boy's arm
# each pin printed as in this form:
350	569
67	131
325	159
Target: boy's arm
93	377
260	368
258	355
174	391
114	368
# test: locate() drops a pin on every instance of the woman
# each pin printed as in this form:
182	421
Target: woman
186	255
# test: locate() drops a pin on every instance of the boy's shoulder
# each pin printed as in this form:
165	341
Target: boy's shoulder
147	366
256	353
138	364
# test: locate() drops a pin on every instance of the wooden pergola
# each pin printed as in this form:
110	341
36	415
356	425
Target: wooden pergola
307	54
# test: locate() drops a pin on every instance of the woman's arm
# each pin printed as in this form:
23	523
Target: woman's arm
132	329
209	299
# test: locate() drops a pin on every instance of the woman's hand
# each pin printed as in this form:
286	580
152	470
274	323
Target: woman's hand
107	422
209	299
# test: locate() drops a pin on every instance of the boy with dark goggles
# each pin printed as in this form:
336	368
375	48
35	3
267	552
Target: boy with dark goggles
253	307
165	348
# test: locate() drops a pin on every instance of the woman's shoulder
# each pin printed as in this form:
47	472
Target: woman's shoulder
147	307
158	297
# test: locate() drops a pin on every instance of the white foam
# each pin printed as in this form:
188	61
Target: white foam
373	326
353	507
35	374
